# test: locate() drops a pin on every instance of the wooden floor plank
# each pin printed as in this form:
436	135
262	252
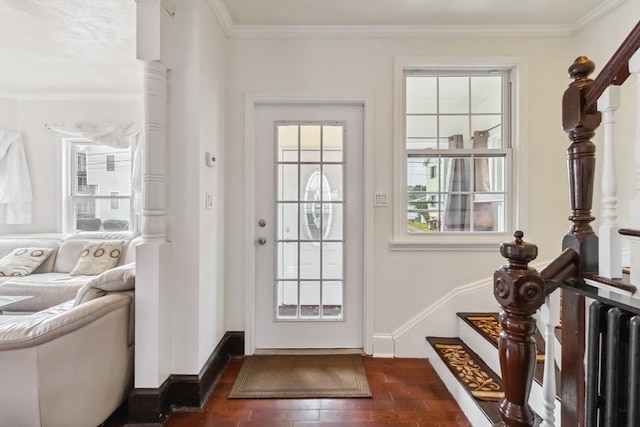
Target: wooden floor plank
406	393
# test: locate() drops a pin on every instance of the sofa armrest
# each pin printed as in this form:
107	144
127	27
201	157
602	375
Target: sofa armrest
49	324
118	279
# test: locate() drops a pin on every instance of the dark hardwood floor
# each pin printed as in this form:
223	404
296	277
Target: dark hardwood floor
406	393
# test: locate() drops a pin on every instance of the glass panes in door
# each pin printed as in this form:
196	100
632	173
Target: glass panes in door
309	206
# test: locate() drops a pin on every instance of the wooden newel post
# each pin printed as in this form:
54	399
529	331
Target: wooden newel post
579	121
520	291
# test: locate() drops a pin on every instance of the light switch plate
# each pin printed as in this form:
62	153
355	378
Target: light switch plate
380	199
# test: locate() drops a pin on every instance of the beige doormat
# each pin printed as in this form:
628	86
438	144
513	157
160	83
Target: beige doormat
301	377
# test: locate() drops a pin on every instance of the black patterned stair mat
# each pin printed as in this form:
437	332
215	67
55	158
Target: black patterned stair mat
486	324
477	378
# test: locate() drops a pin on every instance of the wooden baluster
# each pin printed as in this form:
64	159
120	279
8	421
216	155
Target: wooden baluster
579	122
610	242
520	291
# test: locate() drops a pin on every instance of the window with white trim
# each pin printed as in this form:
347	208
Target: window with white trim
98	193
454	131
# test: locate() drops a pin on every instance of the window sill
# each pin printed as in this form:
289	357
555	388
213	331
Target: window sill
453	243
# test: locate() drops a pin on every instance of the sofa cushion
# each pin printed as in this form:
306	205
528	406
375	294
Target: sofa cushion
97	257
46	290
22	261
9	242
117	279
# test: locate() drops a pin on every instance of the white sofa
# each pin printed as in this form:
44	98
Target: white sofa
67	366
51	283
66	354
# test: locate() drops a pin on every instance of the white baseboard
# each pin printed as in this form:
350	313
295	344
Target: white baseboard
383	345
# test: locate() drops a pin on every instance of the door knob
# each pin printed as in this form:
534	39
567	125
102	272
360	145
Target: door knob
262	223
262	240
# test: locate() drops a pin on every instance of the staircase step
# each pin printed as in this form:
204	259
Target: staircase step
480	331
487	325
482	387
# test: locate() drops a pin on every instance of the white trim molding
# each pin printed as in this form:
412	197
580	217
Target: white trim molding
240	31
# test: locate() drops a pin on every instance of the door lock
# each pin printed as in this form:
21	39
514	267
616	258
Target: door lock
262	240
262	223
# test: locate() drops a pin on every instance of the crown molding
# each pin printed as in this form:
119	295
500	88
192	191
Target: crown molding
85	97
234	31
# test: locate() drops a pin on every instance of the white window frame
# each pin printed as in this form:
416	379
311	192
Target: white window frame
516	168
68	165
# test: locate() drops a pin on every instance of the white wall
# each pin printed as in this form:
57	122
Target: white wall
196	124
43	150
405	283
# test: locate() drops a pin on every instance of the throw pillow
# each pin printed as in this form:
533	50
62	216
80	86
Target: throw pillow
22	261
97	257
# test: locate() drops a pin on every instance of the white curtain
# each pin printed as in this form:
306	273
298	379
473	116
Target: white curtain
16	197
116	135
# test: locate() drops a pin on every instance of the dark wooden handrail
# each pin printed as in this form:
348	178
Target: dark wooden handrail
617	69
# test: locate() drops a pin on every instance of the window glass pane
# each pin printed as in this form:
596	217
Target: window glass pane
422	126
332	292
421	143
488	213
457	212
309	260
453	94
333	228
287	299
484	128
421	94
456	129
287	182
456	175
288	143
310	143
309	299
287	260
93	215
101	170
333	173
489	174
332	260
486	94
287	221
332	140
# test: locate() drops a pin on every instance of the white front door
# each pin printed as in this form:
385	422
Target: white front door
309	226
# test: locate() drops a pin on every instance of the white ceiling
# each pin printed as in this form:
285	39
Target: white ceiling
61	47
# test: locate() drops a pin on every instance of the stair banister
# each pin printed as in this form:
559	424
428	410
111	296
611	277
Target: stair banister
617	70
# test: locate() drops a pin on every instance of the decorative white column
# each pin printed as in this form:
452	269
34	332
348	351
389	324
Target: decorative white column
153	256
154	127
610	242
549	374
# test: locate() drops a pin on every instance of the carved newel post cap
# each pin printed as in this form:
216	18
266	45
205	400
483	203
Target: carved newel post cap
519	253
581	67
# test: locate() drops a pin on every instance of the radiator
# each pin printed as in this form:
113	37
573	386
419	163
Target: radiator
613	367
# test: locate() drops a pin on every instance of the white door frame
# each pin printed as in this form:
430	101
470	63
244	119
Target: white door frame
251	103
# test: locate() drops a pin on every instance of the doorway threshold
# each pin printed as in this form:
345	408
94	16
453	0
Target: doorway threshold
310	351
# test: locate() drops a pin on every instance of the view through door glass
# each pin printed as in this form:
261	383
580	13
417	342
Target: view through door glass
310	206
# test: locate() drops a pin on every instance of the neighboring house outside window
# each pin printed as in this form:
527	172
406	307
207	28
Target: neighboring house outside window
96	187
454	152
